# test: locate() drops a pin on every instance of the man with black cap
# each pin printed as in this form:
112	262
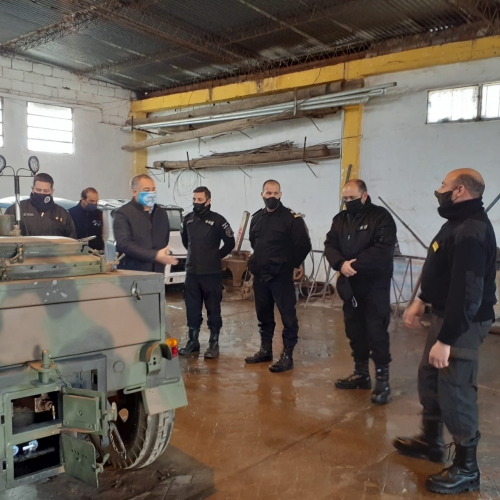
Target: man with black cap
280	242
40	216
458	281
202	233
360	245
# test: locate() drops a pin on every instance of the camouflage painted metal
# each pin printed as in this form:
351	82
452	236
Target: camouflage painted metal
86	369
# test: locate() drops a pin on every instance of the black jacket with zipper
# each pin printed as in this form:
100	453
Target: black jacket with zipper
280	242
139	235
202	235
370	238
55	221
458	277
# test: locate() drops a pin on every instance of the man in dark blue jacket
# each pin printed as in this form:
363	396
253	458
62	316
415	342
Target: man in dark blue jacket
88	218
360	245
142	230
202	233
458	281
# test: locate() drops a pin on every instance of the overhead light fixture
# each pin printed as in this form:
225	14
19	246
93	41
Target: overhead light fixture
3	163
33	164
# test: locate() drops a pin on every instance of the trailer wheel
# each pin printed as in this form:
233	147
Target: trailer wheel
145	437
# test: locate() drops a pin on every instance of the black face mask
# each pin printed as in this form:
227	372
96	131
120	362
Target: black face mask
91	207
200	208
354	206
444	199
272	203
42	202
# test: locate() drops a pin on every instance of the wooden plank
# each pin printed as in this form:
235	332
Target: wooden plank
295	154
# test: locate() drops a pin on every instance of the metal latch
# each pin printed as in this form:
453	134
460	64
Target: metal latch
19	257
135	291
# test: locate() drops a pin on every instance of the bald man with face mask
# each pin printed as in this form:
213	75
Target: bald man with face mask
458	282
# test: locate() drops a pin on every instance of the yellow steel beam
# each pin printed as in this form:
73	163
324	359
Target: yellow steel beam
482	48
139	157
351	142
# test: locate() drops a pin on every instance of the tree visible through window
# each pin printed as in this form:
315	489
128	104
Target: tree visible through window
50	128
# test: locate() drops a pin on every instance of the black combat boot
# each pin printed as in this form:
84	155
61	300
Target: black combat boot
462	475
358	379
428	444
285	362
213	346
382	392
193	344
265	353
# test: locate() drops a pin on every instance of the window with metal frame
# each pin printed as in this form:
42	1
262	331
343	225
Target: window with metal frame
50	128
490	101
463	104
453	105
1	122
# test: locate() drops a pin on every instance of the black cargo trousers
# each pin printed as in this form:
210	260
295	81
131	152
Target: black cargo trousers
450	394
202	289
279	290
366	325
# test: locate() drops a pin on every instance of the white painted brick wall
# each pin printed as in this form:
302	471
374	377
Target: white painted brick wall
100	110
52	82
24	87
5	83
71	84
22	65
42	69
19	76
13	74
31	77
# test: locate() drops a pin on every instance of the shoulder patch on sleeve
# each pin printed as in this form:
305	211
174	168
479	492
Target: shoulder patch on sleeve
295	215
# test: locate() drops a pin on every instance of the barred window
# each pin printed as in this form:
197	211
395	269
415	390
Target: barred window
50	128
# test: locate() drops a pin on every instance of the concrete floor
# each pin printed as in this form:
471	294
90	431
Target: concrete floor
250	434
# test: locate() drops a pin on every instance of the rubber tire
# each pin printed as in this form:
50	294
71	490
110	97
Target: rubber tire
148	435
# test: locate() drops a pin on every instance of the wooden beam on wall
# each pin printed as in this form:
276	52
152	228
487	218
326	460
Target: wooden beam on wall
237	160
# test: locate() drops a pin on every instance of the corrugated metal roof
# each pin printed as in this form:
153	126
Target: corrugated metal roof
162	44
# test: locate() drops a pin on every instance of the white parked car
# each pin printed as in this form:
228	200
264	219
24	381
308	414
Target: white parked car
173	274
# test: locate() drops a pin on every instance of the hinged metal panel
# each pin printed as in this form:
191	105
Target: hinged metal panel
79	460
83	410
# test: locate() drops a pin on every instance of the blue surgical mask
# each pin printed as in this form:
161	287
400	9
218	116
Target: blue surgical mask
147	198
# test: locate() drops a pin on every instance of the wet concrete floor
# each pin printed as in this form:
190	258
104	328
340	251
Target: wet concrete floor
250	434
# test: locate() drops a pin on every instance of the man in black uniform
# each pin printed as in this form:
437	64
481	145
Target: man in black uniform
40	216
202	232
280	242
88	219
360	245
142	230
458	280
